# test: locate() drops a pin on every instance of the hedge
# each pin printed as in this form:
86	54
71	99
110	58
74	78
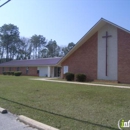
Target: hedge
4	73
8	73
12	72
17	73
81	77
69	76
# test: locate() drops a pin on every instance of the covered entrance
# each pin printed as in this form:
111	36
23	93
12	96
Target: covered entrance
57	71
49	71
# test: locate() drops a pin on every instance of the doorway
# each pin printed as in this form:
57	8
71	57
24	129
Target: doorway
57	71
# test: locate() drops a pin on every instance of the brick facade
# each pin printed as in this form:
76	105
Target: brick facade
84	59
32	71
123	56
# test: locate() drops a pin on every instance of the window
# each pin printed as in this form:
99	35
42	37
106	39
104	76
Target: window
65	69
3	69
17	68
27	69
9	68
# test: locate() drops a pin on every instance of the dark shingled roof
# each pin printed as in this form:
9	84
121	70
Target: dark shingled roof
36	62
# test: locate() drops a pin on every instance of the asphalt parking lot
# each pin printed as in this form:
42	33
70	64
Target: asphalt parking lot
9	122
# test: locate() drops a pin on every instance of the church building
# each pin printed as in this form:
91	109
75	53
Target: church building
103	53
42	67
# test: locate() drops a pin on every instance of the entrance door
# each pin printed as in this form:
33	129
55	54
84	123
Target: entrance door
57	71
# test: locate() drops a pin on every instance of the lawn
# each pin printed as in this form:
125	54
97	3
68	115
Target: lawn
65	106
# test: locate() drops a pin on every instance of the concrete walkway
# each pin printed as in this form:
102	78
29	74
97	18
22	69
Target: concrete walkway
9	122
70	82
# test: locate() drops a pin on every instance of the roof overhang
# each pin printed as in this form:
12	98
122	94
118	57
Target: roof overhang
29	65
32	62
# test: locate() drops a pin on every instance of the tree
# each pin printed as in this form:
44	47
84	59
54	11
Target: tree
1	51
68	48
53	49
9	36
38	44
24	48
44	53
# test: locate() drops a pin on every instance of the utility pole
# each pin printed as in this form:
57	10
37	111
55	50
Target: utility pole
5	3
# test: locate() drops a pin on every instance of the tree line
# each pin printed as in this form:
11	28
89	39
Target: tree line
13	46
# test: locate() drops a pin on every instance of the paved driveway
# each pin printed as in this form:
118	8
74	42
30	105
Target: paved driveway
9	122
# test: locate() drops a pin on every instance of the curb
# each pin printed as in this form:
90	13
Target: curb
3	111
35	124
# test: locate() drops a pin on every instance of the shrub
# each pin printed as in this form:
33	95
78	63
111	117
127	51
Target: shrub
8	73
69	76
81	77
17	73
4	73
12	72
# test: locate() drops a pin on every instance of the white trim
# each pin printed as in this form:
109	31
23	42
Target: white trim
49	71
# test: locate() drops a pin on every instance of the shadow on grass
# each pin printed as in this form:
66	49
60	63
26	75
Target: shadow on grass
71	118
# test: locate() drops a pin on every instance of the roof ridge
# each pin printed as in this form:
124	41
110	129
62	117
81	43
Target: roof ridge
36	59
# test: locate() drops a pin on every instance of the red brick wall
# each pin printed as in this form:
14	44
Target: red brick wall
84	59
1	70
32	70
123	56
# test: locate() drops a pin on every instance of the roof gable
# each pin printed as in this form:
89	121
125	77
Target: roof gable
91	32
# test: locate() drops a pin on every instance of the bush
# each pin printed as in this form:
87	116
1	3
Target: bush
4	73
17	73
81	77
69	76
8	73
12	72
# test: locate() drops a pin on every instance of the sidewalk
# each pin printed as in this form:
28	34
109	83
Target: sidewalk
71	82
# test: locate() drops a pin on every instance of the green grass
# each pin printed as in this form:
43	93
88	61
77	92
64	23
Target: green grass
65	106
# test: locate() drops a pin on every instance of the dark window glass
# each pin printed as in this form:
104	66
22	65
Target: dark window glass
17	68
27	69
9	68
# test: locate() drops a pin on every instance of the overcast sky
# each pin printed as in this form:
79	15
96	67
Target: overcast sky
63	20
